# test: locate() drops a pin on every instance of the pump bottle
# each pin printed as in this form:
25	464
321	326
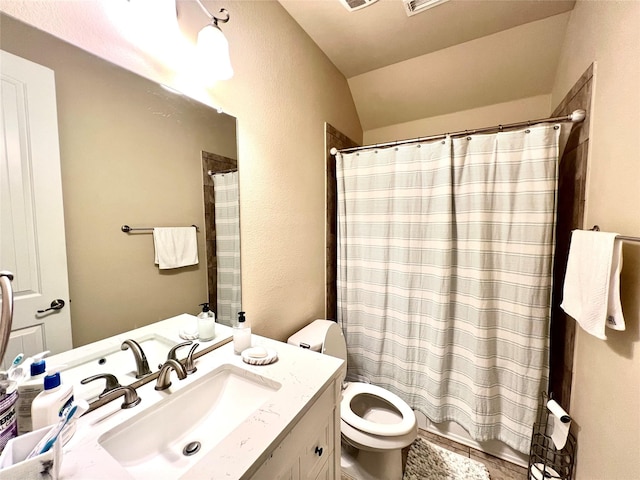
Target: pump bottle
241	335
206	323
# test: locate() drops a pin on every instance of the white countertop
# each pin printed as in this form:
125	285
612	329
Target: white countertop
167	331
302	374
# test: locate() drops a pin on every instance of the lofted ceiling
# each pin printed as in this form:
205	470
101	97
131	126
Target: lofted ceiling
459	55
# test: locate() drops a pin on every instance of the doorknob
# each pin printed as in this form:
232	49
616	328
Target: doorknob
57	304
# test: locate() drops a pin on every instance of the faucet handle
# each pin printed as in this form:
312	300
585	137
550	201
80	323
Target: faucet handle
163	382
189	364
111	382
172	352
131	398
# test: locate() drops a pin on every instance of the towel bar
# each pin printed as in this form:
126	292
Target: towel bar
127	228
625	238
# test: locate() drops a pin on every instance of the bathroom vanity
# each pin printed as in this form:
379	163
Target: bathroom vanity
228	420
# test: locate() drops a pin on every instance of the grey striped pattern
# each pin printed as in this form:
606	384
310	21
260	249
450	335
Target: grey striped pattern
445	252
227	218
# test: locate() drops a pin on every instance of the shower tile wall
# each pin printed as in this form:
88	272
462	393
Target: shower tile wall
571	203
333	138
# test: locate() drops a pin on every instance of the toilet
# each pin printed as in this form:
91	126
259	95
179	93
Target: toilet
375	423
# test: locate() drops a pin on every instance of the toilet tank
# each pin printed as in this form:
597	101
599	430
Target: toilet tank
324	336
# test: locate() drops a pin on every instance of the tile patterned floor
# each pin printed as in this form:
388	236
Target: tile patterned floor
498	469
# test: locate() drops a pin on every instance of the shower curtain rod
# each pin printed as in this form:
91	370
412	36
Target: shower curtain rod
575	117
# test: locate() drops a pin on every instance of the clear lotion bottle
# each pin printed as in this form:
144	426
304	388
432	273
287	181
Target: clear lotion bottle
241	335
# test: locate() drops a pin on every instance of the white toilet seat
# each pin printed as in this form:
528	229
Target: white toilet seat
406	425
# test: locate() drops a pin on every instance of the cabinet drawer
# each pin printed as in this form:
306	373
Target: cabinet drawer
318	447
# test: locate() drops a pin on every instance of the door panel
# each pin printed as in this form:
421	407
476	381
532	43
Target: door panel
32	237
25	340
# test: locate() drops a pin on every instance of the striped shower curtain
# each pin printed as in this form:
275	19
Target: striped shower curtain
445	254
227	220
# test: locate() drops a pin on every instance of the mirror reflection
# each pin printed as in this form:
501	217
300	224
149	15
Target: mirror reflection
222	219
134	153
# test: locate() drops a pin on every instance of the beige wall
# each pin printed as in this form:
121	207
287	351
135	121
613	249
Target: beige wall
283	90
606	390
500	113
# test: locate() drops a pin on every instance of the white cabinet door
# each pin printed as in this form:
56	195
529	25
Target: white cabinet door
325	472
308	451
32	236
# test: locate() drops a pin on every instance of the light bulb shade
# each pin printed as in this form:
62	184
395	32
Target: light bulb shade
213	52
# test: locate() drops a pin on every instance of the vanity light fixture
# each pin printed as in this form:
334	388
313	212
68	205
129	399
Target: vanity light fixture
213	47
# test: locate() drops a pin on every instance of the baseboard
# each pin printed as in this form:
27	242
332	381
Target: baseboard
453	431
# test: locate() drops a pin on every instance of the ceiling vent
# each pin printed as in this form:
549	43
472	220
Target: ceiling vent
353	5
416	6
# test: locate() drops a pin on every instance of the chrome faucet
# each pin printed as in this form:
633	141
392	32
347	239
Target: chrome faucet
164	377
142	365
131	398
111	382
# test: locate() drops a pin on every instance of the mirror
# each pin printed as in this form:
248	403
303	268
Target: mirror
131	153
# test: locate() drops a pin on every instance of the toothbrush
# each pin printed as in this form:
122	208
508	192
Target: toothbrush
16	361
21	370
50	438
75	412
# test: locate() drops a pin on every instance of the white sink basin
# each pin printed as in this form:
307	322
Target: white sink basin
151	444
120	363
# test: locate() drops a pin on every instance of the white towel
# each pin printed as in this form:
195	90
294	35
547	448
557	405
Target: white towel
591	292
175	246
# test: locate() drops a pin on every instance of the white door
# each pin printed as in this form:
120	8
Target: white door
32	239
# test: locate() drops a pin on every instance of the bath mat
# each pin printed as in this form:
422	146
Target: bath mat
427	461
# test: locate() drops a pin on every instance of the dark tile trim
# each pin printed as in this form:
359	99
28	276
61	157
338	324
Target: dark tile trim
333	138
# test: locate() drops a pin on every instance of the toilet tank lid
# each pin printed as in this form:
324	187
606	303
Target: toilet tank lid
312	336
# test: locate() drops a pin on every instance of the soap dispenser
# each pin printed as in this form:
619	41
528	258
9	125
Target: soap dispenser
206	323
241	335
